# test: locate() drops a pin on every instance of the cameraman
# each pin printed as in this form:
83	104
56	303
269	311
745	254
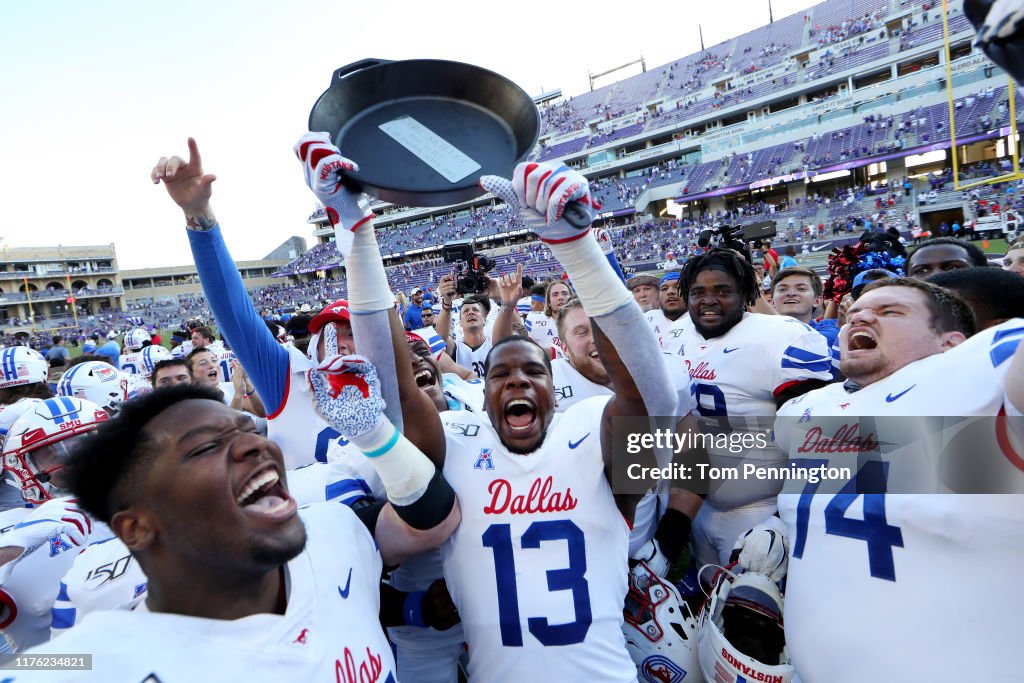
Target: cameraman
475	345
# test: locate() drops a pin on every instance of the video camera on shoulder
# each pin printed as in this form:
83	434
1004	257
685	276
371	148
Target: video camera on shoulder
470	268
736	237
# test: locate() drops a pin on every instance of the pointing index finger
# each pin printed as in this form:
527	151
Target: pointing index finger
194	160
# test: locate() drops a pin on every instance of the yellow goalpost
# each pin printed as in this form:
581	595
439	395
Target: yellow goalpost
1015	174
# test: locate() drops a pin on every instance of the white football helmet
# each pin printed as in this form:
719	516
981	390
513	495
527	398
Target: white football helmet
134	340
741	635
151	355
660	630
10	413
22	365
97	382
39	441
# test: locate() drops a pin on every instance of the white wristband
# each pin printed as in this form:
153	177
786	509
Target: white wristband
368	288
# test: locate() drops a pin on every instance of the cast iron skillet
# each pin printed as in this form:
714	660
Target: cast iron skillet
449	124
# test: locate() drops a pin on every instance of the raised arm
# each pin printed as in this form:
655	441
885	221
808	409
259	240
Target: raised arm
191	189
378	331
510	288
627	346
446	292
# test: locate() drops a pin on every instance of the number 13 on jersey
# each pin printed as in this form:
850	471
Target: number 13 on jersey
572	578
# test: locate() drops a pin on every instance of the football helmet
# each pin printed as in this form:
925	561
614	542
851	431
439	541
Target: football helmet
134	340
97	382
39	441
22	365
741	635
151	355
10	413
660	630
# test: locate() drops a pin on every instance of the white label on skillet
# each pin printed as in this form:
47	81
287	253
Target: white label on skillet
431	148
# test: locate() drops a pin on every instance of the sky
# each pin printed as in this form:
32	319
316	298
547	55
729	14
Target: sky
93	93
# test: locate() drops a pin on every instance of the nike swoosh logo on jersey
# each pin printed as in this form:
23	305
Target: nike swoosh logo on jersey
574	445
890	398
728	350
819	248
348	584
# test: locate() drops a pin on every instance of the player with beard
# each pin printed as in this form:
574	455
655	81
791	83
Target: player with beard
889	550
672	308
742	364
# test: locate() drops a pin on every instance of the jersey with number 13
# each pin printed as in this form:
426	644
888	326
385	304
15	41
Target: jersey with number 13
538	566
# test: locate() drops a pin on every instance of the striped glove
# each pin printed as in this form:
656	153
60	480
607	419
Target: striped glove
539	192
322	165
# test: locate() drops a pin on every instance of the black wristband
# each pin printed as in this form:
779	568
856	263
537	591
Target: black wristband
673	533
432	508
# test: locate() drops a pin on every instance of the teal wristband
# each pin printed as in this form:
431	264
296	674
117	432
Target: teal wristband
377	452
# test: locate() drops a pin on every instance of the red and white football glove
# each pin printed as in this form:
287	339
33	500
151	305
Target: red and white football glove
322	165
346	391
540	192
604	240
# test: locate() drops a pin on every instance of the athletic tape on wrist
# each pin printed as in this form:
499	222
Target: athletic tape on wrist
599	288
405	472
368	288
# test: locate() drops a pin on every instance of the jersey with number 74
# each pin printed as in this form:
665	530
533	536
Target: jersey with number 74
538	566
910	585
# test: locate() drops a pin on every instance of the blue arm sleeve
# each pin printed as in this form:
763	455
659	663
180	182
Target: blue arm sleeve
263	358
615	266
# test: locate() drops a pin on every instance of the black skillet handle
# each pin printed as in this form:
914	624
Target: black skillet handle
577	215
350	69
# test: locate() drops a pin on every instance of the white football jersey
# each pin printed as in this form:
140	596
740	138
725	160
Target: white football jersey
658	322
34	582
893	565
740	374
182	350
330	630
303	436
538	566
463	394
105	576
473	359
542	329
571	387
132	363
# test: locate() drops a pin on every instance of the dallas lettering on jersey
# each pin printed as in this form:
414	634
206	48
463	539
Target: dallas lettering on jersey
702	371
538	500
751	674
368	671
846	439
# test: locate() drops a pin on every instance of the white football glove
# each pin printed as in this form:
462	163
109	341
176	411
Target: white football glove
539	192
764	549
604	239
53	519
650	554
346	390
322	165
